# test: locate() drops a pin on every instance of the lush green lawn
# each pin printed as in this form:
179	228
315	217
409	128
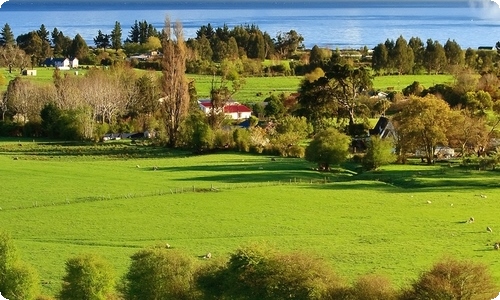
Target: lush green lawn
59	200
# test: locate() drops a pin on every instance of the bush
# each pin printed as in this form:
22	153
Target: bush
379	152
87	277
159	273
453	279
329	147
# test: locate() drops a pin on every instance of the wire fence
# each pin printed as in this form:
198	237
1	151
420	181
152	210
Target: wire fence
212	188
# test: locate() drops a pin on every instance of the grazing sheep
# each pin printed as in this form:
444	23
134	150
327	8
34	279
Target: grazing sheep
137	166
496	246
429	201
208	255
471	220
483	196
155	168
489	229
167	245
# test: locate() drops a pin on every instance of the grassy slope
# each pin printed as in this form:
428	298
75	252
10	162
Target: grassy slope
375	222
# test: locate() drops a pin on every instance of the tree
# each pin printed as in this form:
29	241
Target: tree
116	36
79	48
434	57
379	152
89	277
329	147
175	101
6	36
335	94
43	33
287	43
274	107
454	54
423	124
453	279
102	40
32	44
466	131
12	56
418	49
403	56
289	133
61	43
380	57
159	273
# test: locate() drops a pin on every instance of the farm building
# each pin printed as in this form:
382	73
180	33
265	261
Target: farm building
232	109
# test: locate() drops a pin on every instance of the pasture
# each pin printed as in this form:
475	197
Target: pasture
60	199
257	89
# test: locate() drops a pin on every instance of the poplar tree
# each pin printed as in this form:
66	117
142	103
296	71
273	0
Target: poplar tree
175	100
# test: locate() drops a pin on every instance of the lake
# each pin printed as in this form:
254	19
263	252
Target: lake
330	24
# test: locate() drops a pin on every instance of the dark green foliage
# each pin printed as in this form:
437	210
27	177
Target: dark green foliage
329	147
102	40
116	36
6	36
78	48
415	89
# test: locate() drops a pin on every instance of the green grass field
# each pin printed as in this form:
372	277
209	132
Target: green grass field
257	89
62	199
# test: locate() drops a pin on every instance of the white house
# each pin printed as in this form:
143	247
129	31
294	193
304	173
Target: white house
232	109
62	63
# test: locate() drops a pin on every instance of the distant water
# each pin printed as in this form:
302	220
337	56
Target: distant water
328	24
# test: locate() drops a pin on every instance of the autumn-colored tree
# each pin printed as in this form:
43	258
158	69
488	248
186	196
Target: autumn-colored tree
466	131
175	100
422	124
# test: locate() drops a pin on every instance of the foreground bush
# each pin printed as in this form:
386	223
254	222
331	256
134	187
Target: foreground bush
159	273
87	277
453	279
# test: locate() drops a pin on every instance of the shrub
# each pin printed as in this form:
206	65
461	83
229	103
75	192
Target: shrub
380	152
87	276
453	279
159	273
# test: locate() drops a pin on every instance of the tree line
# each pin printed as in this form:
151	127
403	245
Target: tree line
251	272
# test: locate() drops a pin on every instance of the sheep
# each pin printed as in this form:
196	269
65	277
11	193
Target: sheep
483	196
471	220
167	245
208	255
155	168
496	246
489	229
137	166
429	201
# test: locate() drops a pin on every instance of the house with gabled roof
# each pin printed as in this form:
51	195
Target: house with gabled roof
384	128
